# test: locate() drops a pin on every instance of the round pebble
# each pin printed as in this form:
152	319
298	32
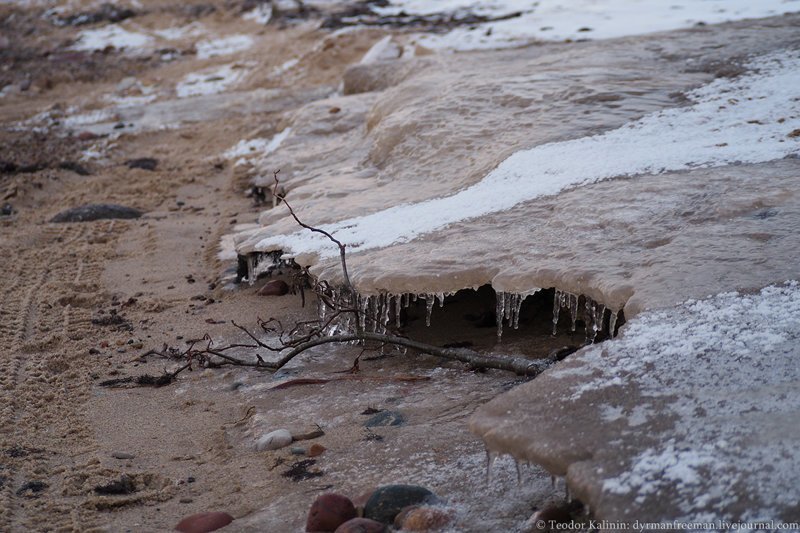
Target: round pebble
204	522
361	525
274	440
387	502
329	511
315	450
275	287
421	518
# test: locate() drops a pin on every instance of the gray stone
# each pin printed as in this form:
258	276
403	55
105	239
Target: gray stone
387	502
386	418
86	213
122	455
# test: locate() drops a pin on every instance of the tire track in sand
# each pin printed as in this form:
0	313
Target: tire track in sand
44	376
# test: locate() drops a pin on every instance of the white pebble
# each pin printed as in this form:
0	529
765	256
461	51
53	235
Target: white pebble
274	440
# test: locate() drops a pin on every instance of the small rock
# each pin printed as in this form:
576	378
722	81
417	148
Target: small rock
123	485
275	287
274	440
386	418
421	518
87	136
144	163
316	450
90	212
329	511
204	522
6	210
122	455
361	525
72	166
387	502
298	450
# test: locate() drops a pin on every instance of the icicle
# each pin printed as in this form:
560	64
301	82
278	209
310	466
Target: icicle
376	312
406	299
573	309
429	300
387	298
490	459
501	299
397	308
519	473
363	303
507	296
518	299
599	316
590	310
556	310
612	324
251	269
414	297
440	296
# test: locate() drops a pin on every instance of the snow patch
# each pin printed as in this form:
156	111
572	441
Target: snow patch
558	20
223	46
257	147
111	35
211	81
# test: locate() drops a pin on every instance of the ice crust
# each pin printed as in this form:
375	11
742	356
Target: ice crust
694	401
557	20
744	120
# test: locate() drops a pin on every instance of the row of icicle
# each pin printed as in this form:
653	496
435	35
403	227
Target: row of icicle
377	312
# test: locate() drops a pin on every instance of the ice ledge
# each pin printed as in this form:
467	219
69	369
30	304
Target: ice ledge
686	416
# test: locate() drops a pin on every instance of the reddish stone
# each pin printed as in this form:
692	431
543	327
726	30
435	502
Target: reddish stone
329	511
275	287
315	450
204	522
87	136
361	525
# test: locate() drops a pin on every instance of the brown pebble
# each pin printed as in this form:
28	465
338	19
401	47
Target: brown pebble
315	450
361	525
204	522
87	136
329	511
275	287
334	110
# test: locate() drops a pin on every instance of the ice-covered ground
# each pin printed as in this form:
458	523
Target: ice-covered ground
697	402
742	120
579	19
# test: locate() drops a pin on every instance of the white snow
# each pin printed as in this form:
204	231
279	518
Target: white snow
257	147
260	14
173	34
742	120
223	46
111	35
557	20
210	81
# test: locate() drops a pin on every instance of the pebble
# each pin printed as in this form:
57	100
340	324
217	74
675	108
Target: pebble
204	522
274	287
329	511
421	518
387	502
361	525
315	450
144	163
122	455
274	440
86	213
298	450
386	418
